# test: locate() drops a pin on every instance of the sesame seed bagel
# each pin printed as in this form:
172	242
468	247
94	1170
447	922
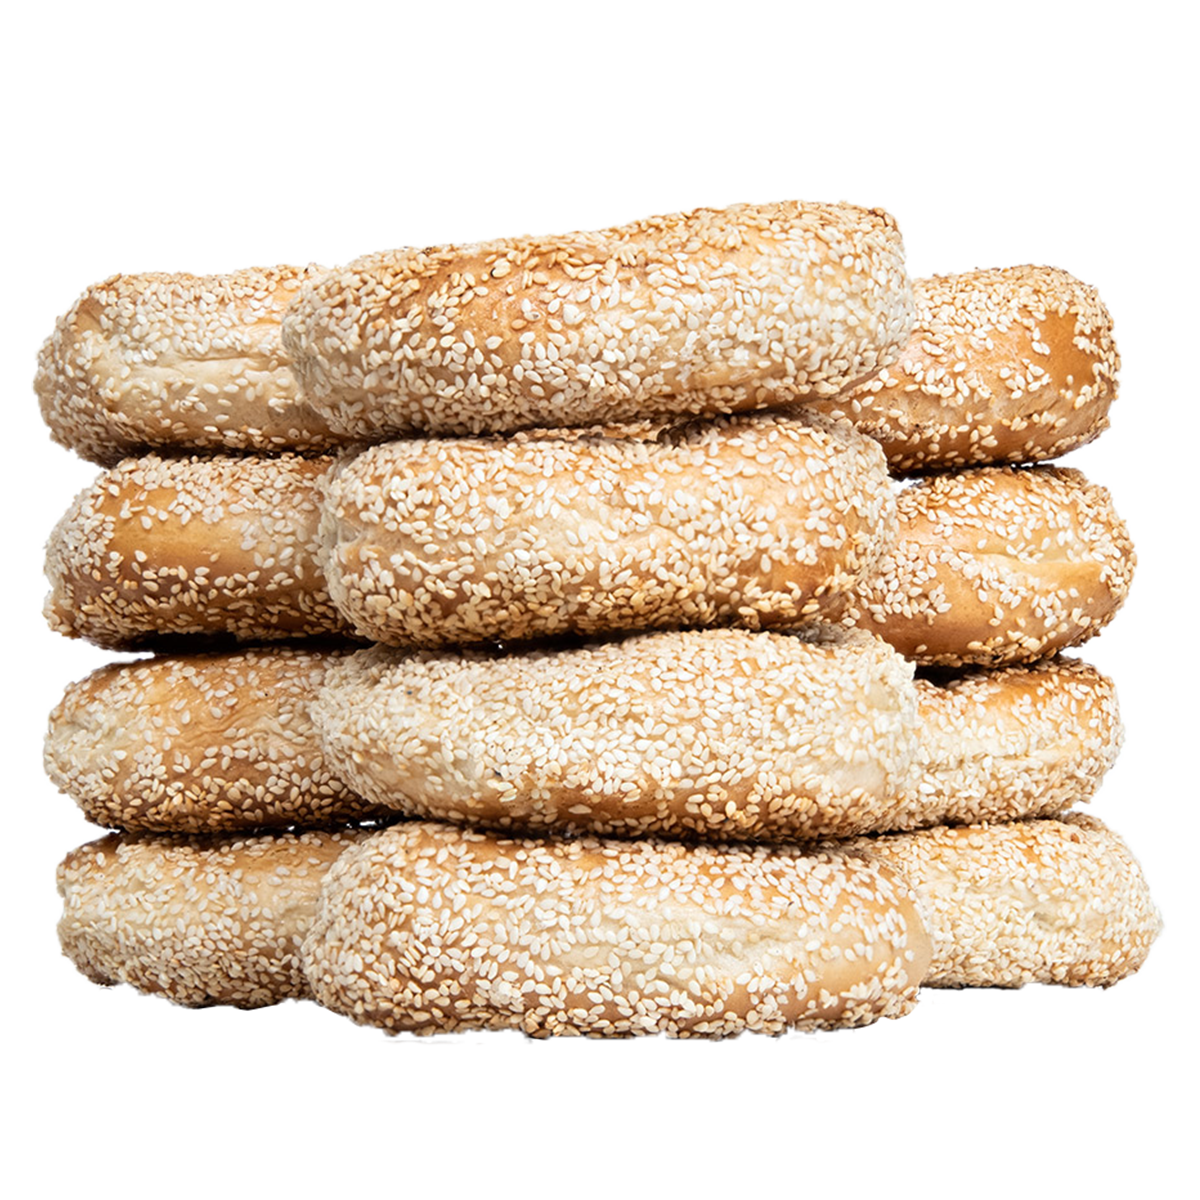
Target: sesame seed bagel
756	520
210	546
997	565
428	928
1015	742
711	311
1014	365
197	920
178	361
722	733
201	743
1043	901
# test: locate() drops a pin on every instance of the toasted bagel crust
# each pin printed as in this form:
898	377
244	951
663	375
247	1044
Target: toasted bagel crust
428	928
1003	366
758	521
700	313
191	362
201	743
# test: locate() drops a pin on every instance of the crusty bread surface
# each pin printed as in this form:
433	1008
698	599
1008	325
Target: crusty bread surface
1040	901
429	928
1011	365
712	311
1022	741
756	520
159	361
204	546
720	733
201	743
997	565
197	920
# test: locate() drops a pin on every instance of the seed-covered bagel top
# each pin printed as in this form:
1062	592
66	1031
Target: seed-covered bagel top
199	920
756	520
1043	901
722	732
218	545
1012	365
201	743
430	928
997	565
712	311
178	361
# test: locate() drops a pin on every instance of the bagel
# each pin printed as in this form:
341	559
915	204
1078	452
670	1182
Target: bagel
997	565
429	928
192	546
715	733
757	520
1048	901
722	733
203	743
707	312
1014	365
178	361
1024	741
197	920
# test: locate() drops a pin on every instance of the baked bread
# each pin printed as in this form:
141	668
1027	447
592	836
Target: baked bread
428	928
1013	365
158	361
201	743
217	547
997	565
717	733
723	733
197	920
1022	741
758	521
700	313
1046	901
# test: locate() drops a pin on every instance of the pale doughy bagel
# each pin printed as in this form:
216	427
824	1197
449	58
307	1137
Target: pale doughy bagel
723	732
997	565
178	361
1051	901
211	546
712	311
758	520
202	743
1014	365
720	733
198	920
430	928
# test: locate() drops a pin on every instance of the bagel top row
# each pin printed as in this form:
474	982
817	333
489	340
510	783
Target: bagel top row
709	312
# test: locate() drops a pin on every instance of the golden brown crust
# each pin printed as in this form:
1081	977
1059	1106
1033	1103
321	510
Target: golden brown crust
197	920
997	565
1042	901
1014	365
720	733
1016	742
203	743
196	546
178	361
758	520
706	312
428	928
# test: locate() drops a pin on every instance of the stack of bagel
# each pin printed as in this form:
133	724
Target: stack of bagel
650	630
